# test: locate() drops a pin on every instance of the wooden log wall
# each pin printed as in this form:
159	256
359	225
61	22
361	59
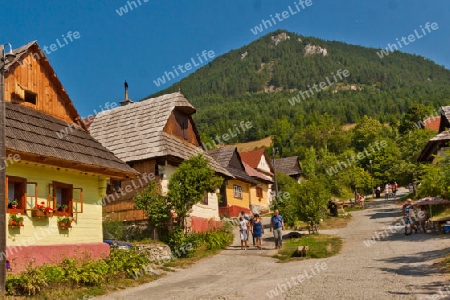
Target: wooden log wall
36	75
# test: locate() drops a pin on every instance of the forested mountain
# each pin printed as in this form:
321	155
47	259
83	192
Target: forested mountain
256	82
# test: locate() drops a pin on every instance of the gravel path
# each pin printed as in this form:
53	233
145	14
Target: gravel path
396	267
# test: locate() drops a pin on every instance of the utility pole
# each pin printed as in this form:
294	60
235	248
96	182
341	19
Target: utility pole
371	179
274	150
4	59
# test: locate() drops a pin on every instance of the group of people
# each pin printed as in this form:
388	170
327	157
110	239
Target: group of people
390	190
256	228
414	218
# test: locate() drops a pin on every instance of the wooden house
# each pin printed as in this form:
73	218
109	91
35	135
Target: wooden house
235	193
289	166
259	193
153	136
439	143
60	171
260	161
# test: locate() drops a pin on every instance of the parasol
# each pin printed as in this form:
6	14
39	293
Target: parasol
431	201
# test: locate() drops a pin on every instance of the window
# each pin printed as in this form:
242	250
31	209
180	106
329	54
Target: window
237	191
259	192
184	128
64	195
30	97
17	189
113	186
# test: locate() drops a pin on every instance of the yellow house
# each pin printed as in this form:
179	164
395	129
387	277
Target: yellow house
55	169
259	192
260	162
235	193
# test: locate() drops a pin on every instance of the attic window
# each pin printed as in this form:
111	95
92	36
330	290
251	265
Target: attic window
30	97
184	127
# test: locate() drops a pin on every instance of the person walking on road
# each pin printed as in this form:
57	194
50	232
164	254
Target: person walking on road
277	224
243	232
257	230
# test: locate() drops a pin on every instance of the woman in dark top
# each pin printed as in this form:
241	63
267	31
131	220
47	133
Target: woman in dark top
257	230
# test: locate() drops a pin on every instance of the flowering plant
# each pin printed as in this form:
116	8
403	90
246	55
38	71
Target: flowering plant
65	219
16	219
44	208
14	204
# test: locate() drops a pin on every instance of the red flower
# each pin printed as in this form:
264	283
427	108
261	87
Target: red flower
14	222
20	224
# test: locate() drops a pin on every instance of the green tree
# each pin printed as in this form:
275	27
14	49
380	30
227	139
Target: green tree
189	183
367	131
414	117
312	198
154	204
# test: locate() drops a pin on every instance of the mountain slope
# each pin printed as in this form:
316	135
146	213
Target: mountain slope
256	82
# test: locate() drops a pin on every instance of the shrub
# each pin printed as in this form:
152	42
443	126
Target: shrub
215	240
75	272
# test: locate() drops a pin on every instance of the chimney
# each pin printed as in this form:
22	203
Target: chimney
126	101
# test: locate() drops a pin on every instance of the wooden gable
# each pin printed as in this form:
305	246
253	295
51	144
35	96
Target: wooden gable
235	161
32	82
182	126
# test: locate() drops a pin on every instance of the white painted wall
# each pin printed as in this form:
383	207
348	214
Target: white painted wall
263	164
199	210
210	211
168	171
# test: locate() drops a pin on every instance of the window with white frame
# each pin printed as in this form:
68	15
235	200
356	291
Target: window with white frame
237	191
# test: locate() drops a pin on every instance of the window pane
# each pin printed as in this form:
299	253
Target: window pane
59	196
11	188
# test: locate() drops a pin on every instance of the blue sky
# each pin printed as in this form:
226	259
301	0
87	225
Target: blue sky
145	42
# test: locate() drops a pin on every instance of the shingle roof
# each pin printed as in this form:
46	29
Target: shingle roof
288	165
252	158
433	123
135	131
224	155
446	112
21	53
18	52
34	132
255	174
433	146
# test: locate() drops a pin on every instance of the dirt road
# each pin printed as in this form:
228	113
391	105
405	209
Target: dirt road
395	267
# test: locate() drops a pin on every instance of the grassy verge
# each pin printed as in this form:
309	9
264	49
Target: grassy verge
320	246
335	222
183	263
67	292
123	269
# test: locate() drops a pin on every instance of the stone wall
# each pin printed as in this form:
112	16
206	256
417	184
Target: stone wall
156	252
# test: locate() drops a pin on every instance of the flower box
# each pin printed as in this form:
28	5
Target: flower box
37	213
63	225
15	224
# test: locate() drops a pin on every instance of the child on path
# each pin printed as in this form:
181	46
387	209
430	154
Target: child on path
243	232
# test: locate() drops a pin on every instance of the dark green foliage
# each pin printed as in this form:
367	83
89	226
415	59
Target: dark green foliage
230	89
189	183
154	204
76	273
211	240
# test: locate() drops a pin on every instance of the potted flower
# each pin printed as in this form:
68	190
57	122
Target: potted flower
42	211
15	219
65	222
63	208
